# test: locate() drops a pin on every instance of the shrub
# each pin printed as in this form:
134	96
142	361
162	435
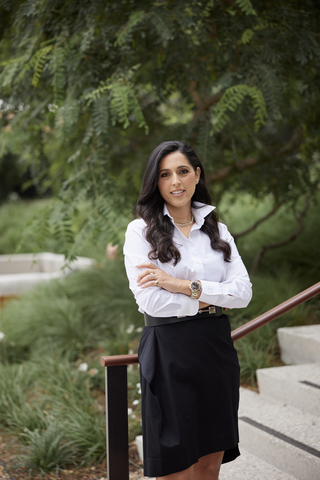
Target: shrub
46	450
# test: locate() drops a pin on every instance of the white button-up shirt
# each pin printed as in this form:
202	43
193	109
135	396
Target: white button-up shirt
223	284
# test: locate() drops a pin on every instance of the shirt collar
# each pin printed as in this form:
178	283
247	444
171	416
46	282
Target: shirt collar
199	213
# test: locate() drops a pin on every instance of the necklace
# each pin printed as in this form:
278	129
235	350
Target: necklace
184	224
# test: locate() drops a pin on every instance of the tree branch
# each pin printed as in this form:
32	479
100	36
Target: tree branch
225	172
202	103
254	226
250	162
285	241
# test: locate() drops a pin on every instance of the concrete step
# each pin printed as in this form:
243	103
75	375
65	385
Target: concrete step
295	385
245	467
250	467
280	435
300	344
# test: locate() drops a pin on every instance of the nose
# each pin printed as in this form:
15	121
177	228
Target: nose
175	179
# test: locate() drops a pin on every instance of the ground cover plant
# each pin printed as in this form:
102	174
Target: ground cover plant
51	382
52	389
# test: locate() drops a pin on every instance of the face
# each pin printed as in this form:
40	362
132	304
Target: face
177	182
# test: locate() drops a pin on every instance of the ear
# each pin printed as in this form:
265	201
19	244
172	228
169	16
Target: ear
198	173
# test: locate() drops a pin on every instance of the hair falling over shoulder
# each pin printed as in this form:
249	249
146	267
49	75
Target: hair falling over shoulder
159	230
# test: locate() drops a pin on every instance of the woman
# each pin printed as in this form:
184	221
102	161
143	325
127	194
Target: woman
183	269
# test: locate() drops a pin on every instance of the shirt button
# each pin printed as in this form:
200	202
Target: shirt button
188	311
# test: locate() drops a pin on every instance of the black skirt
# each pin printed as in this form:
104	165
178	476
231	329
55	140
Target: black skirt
190	379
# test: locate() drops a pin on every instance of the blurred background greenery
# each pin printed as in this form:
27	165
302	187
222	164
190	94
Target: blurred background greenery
87	90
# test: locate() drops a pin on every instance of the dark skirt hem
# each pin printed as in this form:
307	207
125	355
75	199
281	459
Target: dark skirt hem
160	467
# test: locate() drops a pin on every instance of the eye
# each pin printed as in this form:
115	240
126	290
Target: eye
164	174
184	171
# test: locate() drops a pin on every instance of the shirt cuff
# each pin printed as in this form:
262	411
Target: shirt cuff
210	292
189	306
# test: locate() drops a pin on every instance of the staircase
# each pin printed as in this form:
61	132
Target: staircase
280	427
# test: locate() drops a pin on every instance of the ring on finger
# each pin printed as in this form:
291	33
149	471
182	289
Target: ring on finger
152	275
157	283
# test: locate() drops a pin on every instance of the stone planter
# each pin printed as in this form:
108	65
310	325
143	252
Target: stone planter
21	272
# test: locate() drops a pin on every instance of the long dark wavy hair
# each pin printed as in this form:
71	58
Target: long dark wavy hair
159	230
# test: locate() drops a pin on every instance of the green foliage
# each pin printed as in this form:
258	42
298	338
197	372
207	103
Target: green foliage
100	115
301	255
72	401
253	356
15	381
37	63
46	450
57	67
81	92
118	93
13	217
206	142
233	97
51	391
125	35
249	33
71	230
89	308
246	7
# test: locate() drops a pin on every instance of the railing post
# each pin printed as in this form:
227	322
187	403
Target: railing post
117	423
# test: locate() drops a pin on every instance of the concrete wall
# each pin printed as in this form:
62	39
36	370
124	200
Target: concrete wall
23	271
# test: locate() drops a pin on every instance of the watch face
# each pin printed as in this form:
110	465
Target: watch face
195	286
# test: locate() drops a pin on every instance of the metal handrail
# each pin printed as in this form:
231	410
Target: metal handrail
115	360
116	387
276	312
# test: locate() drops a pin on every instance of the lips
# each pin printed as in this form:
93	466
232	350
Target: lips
177	193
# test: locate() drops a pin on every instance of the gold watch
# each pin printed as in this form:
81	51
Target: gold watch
195	287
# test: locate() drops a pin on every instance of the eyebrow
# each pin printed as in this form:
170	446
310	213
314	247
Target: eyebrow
181	166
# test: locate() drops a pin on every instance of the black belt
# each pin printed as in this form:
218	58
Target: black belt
211	311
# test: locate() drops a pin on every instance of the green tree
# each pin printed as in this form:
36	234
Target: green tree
88	89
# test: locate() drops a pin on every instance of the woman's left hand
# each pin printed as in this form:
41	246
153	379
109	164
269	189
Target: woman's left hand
153	276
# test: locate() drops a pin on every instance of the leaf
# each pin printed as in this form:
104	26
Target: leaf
164	28
8	74
97	93
246	7
37	63
271	87
100	115
247	36
125	34
249	32
232	98
120	103
58	70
